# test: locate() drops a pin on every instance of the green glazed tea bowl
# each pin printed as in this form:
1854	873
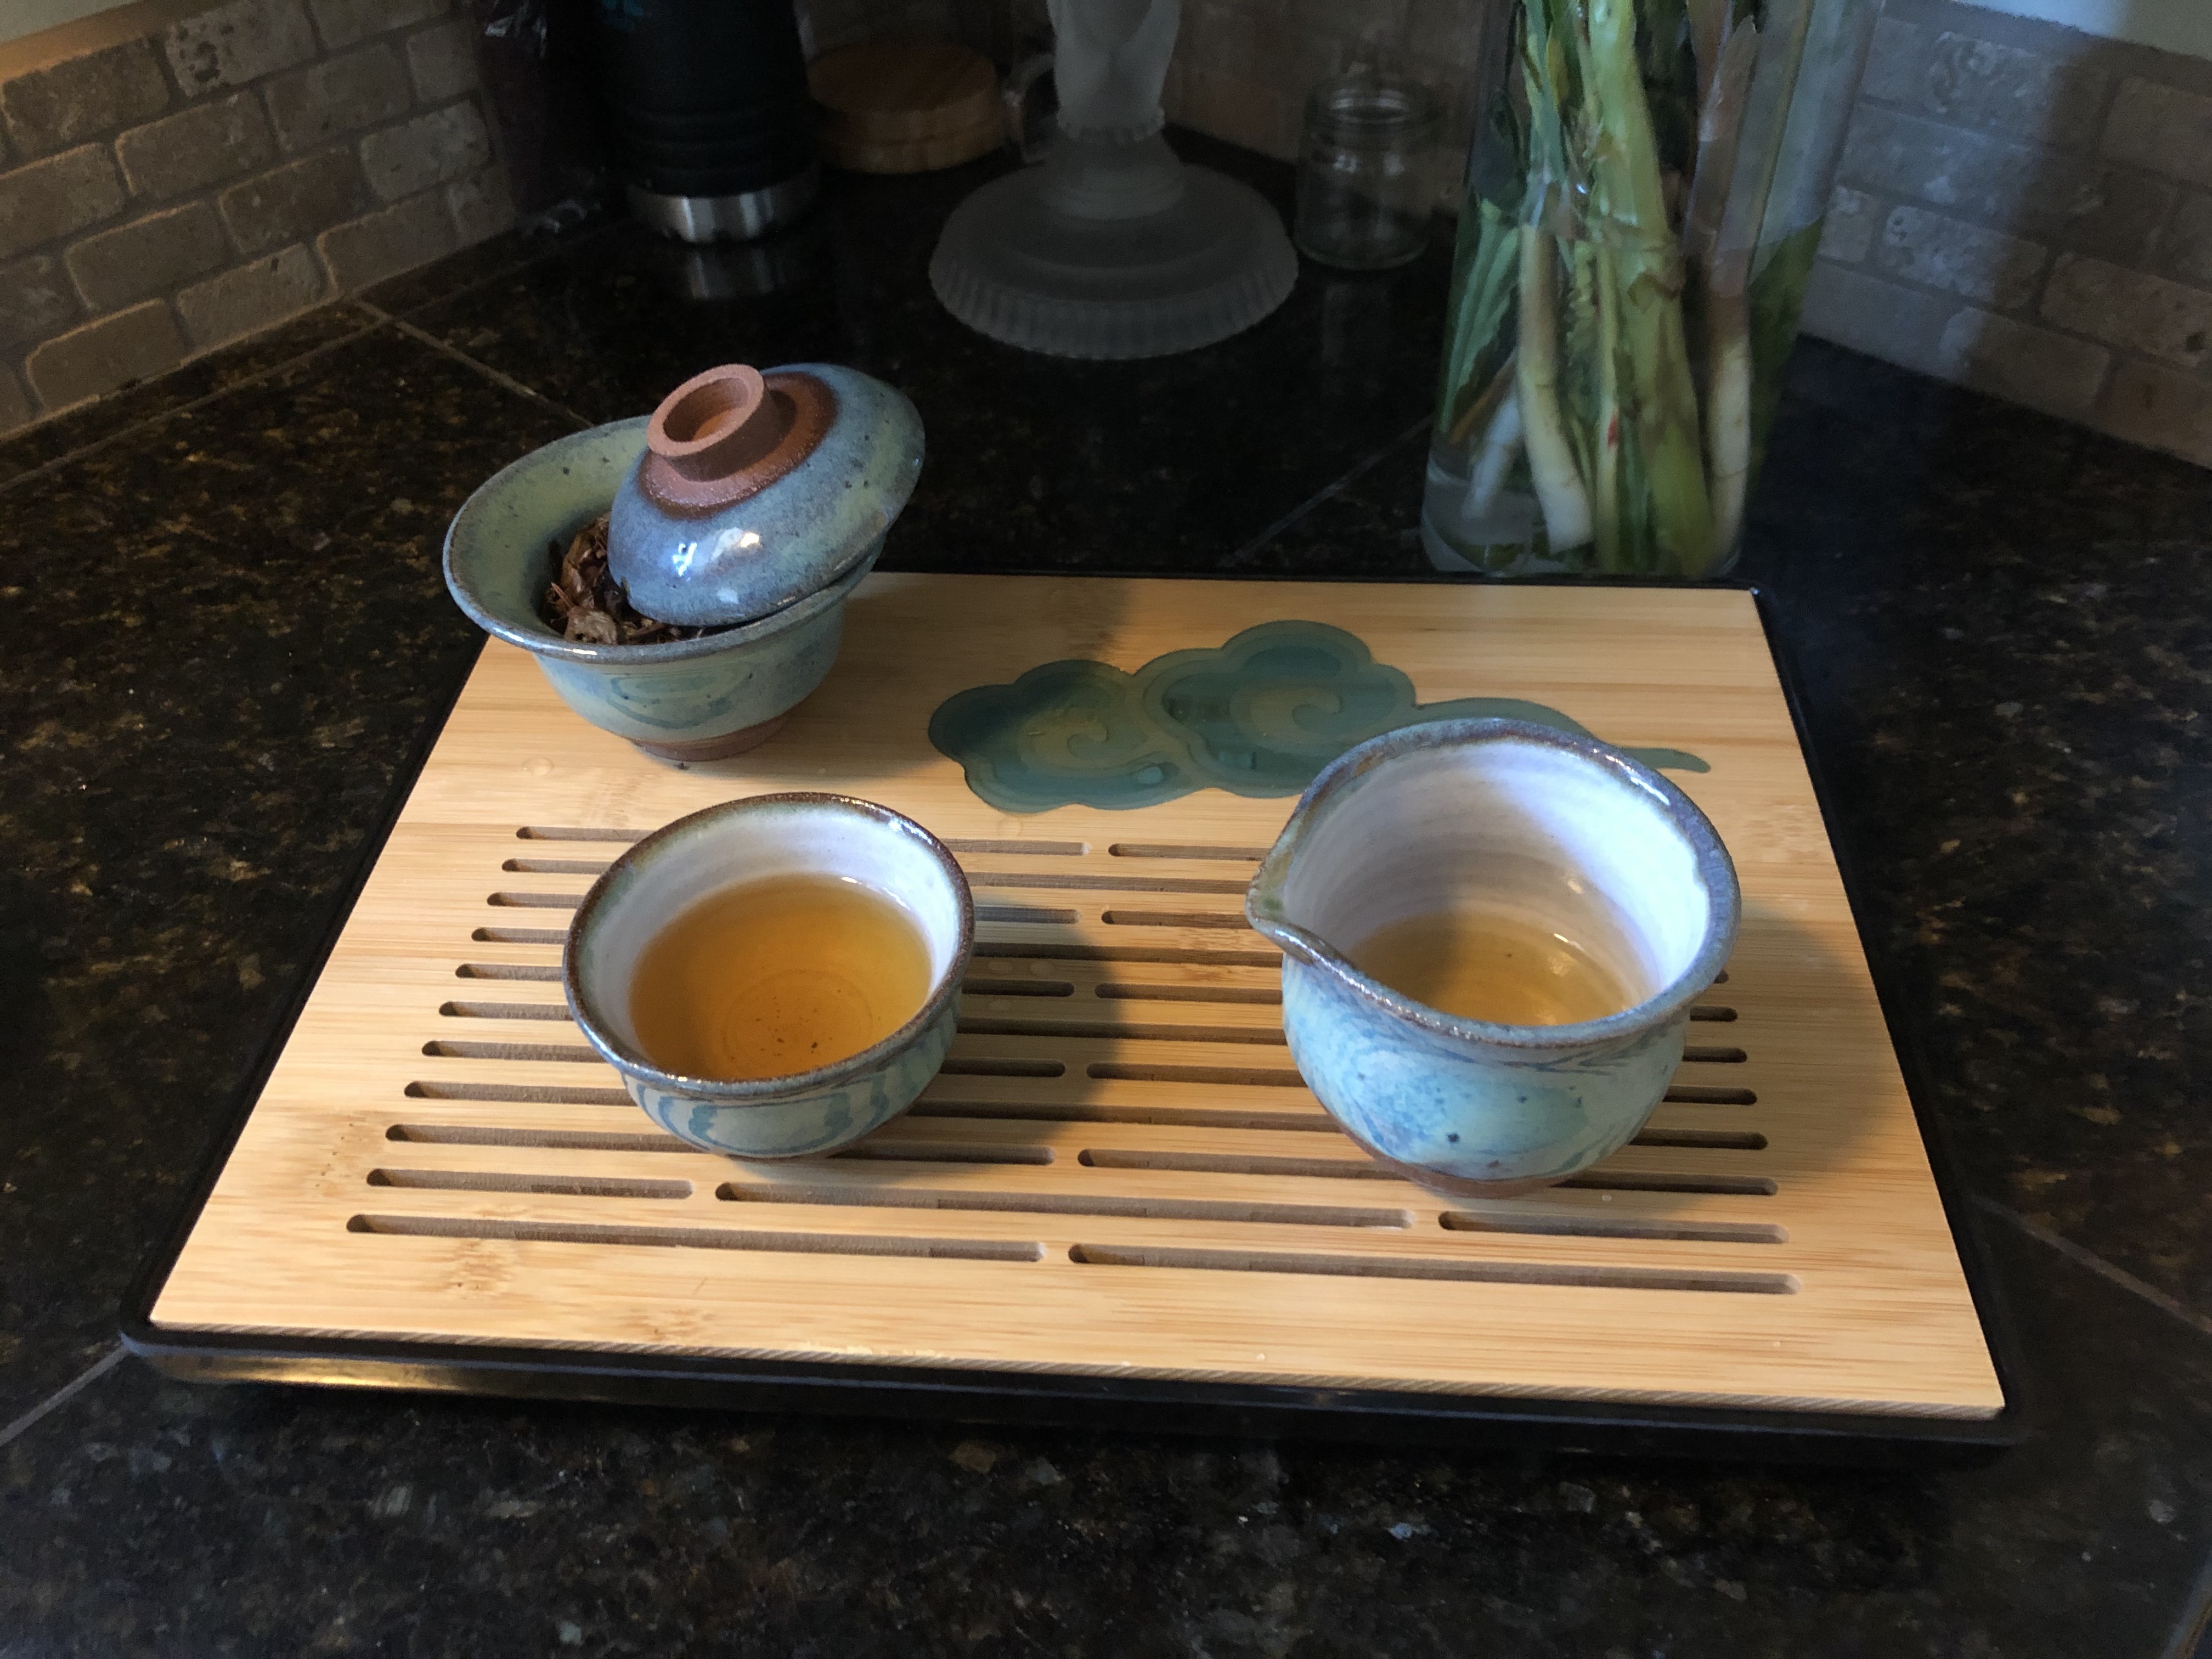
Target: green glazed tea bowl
758	838
1562	834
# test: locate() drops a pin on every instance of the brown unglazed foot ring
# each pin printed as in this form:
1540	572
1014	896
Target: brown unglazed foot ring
724	436
714	748
1456	1186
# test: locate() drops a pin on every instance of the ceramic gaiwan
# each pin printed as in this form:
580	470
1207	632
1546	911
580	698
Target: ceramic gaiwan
749	502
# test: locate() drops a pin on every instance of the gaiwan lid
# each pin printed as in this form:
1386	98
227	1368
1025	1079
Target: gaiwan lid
757	490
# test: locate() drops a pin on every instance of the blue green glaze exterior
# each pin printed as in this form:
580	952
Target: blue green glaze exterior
1484	1120
808	1112
1466	1106
498	565
699	698
801	533
810	1121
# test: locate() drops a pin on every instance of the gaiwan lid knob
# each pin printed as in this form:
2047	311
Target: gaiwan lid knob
756	489
727	433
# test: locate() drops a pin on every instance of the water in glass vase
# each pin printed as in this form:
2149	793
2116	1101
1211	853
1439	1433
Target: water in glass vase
1644	198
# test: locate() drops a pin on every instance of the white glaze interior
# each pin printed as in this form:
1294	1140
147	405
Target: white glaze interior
794	838
1505	825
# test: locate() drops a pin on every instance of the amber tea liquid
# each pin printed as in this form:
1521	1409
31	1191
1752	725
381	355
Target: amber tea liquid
777	976
1488	966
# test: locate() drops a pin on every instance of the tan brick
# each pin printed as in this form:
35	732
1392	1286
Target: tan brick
104	355
230	44
1985	84
441	60
2187	243
2022	363
15	409
341	94
1243	112
290	203
1384	23
2132	309
85	97
2026	189
2162	129
1897	62
483	206
431	149
56	197
1960	258
386	243
1263	49
344	22
1847	231
147	256
1883	319
2148	404
198	148
35	299
252	298
1438	35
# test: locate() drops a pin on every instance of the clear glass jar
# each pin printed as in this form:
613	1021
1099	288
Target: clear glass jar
1363	179
1644	202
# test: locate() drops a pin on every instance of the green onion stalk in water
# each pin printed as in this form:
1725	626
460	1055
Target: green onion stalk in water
1639	225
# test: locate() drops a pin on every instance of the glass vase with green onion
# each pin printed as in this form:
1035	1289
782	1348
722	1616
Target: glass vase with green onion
1644	198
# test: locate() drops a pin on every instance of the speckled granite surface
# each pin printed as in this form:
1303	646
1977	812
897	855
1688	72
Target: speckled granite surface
239	627
1033	462
150	1517
229	627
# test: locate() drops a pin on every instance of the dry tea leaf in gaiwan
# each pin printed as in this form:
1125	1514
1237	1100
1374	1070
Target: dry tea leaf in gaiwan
589	606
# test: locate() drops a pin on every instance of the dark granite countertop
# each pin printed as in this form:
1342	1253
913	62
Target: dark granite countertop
228	627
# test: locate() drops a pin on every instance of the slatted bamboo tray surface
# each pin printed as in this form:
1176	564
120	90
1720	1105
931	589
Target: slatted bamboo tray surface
1118	1173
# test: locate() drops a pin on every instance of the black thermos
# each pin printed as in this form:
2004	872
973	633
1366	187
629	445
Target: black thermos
707	113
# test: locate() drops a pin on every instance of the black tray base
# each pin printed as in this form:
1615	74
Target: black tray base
1262	1412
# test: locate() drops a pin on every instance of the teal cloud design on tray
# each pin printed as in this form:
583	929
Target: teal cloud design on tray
1260	715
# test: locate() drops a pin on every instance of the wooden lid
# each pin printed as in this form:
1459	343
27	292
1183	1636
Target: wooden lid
899	91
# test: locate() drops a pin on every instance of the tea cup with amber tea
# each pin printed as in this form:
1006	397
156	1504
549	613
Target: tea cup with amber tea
775	976
1492	934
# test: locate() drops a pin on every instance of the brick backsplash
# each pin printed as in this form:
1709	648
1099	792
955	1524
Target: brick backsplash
2021	208
2028	209
176	175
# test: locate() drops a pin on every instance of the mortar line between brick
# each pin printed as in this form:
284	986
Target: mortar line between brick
61	1396
2096	1264
1328	490
201	402
494	375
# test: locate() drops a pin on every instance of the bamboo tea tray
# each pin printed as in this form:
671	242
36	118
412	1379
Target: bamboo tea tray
1117	1203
